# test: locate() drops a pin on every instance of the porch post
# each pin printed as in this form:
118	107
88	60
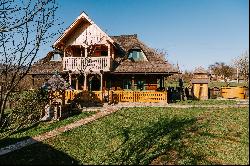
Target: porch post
69	78
77	82
85	82
164	79
133	83
101	81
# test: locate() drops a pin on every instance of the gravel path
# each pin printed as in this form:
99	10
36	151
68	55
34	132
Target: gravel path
55	132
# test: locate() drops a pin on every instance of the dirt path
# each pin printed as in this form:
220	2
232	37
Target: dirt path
55	132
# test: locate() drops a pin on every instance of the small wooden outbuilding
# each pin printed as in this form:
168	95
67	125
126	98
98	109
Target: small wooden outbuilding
200	82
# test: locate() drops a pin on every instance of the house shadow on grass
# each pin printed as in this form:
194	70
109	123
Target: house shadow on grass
159	143
37	154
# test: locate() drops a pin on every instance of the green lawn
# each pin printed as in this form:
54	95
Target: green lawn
207	102
39	128
148	136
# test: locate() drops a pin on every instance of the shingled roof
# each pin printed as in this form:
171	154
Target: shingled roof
200	70
155	63
45	66
124	43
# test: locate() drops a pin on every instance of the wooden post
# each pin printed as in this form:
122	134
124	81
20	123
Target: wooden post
101	81
77	82
85	82
86	52
70	79
133	83
102	86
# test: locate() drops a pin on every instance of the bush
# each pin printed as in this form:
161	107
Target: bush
28	108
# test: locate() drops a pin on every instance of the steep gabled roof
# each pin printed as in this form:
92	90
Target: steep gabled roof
200	70
155	63
82	18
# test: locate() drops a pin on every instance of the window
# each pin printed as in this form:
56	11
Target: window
127	84
108	84
104	53
56	57
136	55
141	84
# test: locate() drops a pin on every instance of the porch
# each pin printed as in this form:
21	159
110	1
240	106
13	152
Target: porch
117	96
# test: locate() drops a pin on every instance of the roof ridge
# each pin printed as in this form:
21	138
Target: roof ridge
131	35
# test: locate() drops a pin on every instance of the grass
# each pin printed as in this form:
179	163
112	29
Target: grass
39	128
148	136
207	102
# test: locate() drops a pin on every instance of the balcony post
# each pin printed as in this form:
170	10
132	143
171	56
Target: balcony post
86	52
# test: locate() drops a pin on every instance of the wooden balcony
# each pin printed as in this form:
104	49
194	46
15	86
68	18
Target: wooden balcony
94	64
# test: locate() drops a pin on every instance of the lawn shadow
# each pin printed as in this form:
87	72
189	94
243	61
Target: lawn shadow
38	153
159	142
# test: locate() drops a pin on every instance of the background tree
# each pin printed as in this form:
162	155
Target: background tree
221	69
24	27
242	64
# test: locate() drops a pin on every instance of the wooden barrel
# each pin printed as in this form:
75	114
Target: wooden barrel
233	92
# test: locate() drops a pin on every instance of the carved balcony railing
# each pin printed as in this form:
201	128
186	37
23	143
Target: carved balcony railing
94	64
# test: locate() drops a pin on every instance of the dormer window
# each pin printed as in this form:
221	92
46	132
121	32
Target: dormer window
137	55
56	57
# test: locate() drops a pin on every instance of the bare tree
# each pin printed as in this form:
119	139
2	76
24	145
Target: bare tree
24	27
242	64
221	69
162	53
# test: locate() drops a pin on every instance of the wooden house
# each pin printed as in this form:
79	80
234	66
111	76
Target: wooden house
91	60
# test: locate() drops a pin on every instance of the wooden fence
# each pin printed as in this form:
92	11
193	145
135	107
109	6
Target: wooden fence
120	96
139	96
72	94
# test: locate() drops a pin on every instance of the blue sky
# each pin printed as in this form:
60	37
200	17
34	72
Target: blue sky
193	32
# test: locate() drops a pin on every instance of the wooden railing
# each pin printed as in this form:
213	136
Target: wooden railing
120	96
139	96
86	63
72	94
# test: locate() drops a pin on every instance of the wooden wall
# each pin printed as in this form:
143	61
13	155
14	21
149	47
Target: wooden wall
117	81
